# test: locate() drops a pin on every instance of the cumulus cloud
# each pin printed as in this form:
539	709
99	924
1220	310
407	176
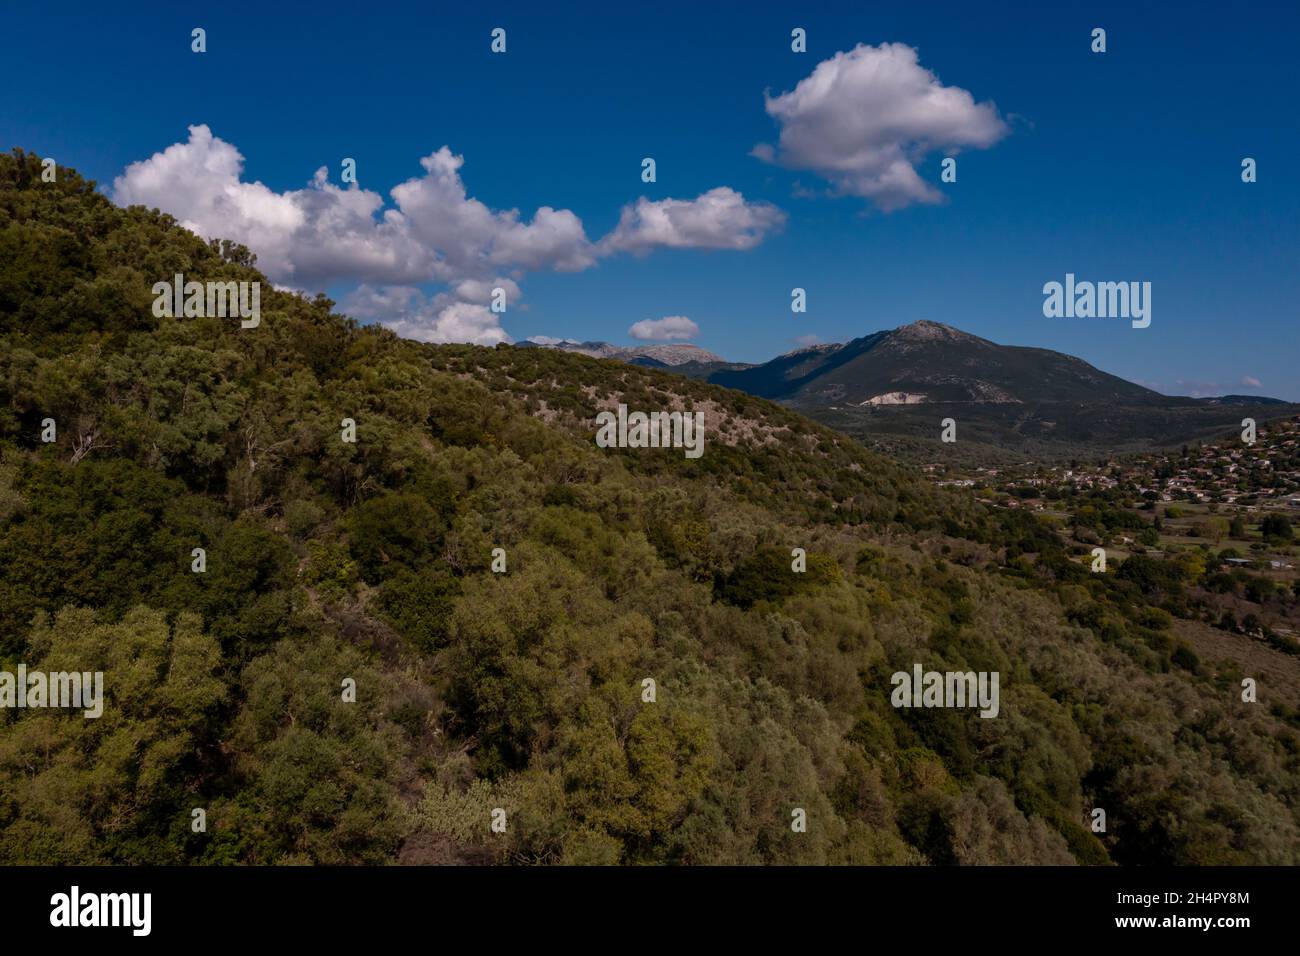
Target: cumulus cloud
432	232
321	234
1251	381
664	330
440	318
865	118
469	238
718	219
481	291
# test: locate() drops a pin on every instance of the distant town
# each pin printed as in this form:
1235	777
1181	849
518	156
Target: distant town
1261	475
1223	508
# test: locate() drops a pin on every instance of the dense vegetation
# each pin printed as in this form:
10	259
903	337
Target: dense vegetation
1211	525
523	690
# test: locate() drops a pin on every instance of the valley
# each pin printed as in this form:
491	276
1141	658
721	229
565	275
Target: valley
1223	508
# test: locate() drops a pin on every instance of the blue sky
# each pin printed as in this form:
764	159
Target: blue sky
1116	166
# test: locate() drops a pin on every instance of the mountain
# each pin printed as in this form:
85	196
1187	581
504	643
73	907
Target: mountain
653	356
903	383
1243	400
353	595
893	388
927	362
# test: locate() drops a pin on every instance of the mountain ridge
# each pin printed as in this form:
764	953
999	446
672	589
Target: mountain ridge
654	355
786	374
935	360
904	381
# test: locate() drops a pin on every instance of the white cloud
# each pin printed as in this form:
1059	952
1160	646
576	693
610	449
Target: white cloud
441	318
469	238
718	219
663	330
1251	381
480	290
322	234
805	341
433	232
864	118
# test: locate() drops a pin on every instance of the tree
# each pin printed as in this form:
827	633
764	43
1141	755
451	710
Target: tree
1276	528
1216	527
110	789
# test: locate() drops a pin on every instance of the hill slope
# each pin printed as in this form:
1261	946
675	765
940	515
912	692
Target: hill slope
933	363
904	382
523	685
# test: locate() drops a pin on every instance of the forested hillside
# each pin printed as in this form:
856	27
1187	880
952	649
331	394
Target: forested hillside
523	690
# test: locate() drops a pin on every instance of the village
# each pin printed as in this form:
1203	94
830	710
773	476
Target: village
1227	476
1226	506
